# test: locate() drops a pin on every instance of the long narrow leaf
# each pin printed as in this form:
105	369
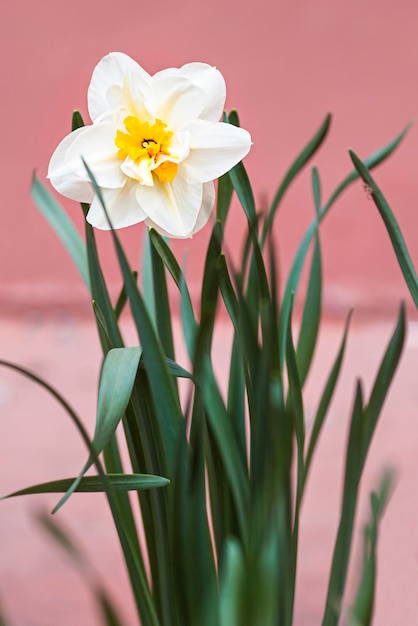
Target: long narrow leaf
345	530
362	611
298	164
116	383
392	227
90	484
311	315
325	400
296	270
63	227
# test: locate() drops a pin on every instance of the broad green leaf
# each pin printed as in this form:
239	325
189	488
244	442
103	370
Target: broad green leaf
116	383
63	227
90	484
117	379
392	227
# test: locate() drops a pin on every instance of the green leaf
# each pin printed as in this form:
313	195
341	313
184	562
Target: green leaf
60	536
383	381
116	383
295	403
170	262
232	585
298	262
77	120
109	614
392	227
63	227
298	164
223	203
233	118
363	424
242	186
162	304
325	400
146	277
316	189
125	531
177	370
362	612
224	435
345	530
311	316
93	484
164	395
123	298
195	580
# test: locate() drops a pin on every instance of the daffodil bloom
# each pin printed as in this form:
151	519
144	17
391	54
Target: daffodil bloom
155	146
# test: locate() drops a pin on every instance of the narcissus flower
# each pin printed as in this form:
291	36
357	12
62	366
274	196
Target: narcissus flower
155	146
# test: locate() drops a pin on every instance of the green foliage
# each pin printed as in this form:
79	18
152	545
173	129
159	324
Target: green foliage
222	529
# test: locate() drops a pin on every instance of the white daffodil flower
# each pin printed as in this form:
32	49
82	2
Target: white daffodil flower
155	146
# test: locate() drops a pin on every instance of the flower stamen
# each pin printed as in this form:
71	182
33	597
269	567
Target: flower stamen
150	143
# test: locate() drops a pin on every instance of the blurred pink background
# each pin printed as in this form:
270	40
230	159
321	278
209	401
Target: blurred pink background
286	64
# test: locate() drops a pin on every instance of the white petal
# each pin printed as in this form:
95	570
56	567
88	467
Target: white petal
173	207
175	100
215	148
121	205
208	201
107	74
141	172
210	80
179	146
63	178
97	147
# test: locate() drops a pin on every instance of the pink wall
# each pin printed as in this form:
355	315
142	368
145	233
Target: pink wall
286	64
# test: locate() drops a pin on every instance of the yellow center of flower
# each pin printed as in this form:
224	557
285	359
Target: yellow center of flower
150	142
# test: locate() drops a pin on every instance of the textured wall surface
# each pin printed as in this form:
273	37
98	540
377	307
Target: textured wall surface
286	65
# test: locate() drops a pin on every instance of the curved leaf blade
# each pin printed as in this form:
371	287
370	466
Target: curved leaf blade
392	227
94	484
63	227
